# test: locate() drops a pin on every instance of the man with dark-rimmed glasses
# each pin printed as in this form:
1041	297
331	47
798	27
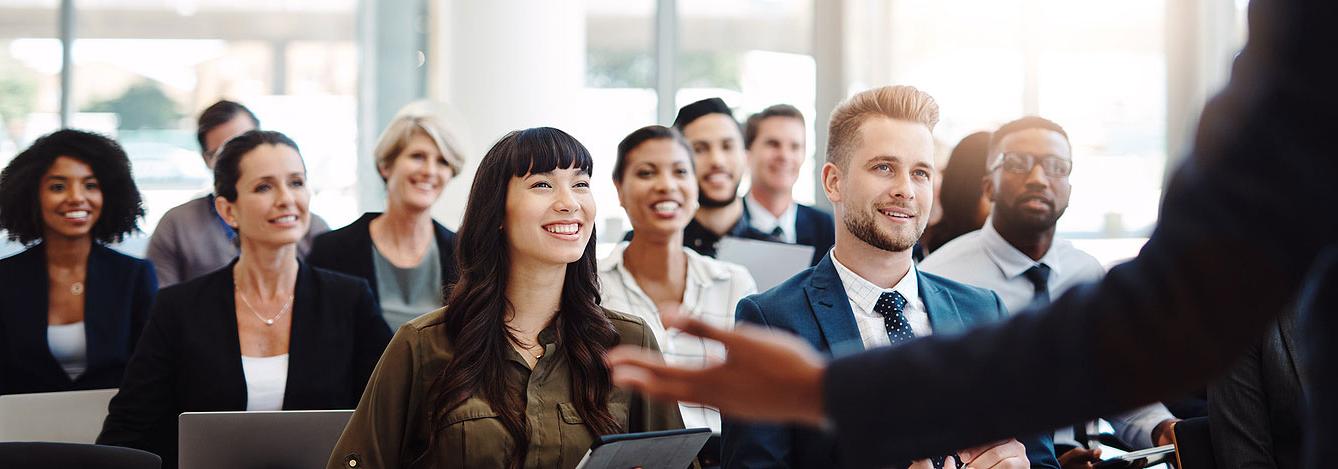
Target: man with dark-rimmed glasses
1017	255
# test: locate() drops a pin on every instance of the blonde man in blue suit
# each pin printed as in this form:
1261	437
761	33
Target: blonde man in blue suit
866	293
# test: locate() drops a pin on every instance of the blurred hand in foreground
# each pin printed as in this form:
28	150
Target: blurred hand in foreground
766	376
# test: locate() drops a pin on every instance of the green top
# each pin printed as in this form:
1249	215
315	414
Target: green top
408	293
389	428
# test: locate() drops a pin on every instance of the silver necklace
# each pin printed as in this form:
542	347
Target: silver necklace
269	321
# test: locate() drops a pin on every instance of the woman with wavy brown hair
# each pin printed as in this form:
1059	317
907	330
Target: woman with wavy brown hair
511	372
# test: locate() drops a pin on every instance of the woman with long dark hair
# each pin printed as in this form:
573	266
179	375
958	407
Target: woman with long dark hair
511	372
965	206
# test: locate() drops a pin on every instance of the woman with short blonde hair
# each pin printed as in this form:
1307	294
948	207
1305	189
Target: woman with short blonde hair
407	258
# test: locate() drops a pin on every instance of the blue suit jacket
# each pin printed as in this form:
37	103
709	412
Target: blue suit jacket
120	290
813	305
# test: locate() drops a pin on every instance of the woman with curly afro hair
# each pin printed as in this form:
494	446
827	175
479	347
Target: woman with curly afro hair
71	309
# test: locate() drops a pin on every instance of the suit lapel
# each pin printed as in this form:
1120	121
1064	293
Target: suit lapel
944	317
100	296
232	372
33	324
831	310
363	251
304	324
1286	324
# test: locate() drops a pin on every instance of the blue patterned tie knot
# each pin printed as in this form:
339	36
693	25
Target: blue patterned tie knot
891	306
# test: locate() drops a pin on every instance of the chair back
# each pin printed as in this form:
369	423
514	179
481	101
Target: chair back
1193	444
44	455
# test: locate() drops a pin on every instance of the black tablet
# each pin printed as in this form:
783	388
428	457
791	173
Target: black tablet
667	449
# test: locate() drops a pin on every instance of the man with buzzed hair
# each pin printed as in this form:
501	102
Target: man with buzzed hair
718	154
867	293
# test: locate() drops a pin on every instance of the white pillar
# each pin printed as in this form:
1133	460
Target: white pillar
502	65
1201	42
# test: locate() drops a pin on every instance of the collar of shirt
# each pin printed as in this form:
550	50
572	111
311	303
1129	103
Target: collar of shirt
762	219
700	273
1013	262
864	293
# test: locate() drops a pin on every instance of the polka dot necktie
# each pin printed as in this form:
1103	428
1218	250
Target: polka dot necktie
891	306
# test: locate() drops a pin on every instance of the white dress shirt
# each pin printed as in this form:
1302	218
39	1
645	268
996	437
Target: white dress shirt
713	290
762	220
984	259
863	295
266	381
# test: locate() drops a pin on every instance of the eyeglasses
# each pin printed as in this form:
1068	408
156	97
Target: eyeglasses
1022	163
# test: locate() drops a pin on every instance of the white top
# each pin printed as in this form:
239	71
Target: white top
984	259
266	380
713	290
864	294
761	219
69	345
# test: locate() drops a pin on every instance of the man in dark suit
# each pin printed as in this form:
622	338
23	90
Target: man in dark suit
775	141
867	293
1202	289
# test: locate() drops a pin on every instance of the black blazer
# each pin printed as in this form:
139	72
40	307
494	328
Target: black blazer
1244	223
815	228
348	250
1256	409
189	359
118	292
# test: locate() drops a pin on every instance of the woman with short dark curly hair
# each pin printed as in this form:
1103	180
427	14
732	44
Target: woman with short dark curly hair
66	197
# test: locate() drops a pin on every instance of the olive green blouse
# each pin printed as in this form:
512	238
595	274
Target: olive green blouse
390	426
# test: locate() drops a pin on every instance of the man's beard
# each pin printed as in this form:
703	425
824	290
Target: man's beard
863	226
707	202
1020	220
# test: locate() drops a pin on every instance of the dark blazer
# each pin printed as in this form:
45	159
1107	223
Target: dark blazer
118	292
1256	409
815	228
348	250
1203	288
813	304
189	359
702	240
812	227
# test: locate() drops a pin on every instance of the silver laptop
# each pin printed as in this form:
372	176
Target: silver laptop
277	440
770	263
61	417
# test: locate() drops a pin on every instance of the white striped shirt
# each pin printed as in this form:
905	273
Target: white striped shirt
713	290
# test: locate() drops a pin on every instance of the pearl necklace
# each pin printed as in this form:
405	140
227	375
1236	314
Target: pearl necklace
268	321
